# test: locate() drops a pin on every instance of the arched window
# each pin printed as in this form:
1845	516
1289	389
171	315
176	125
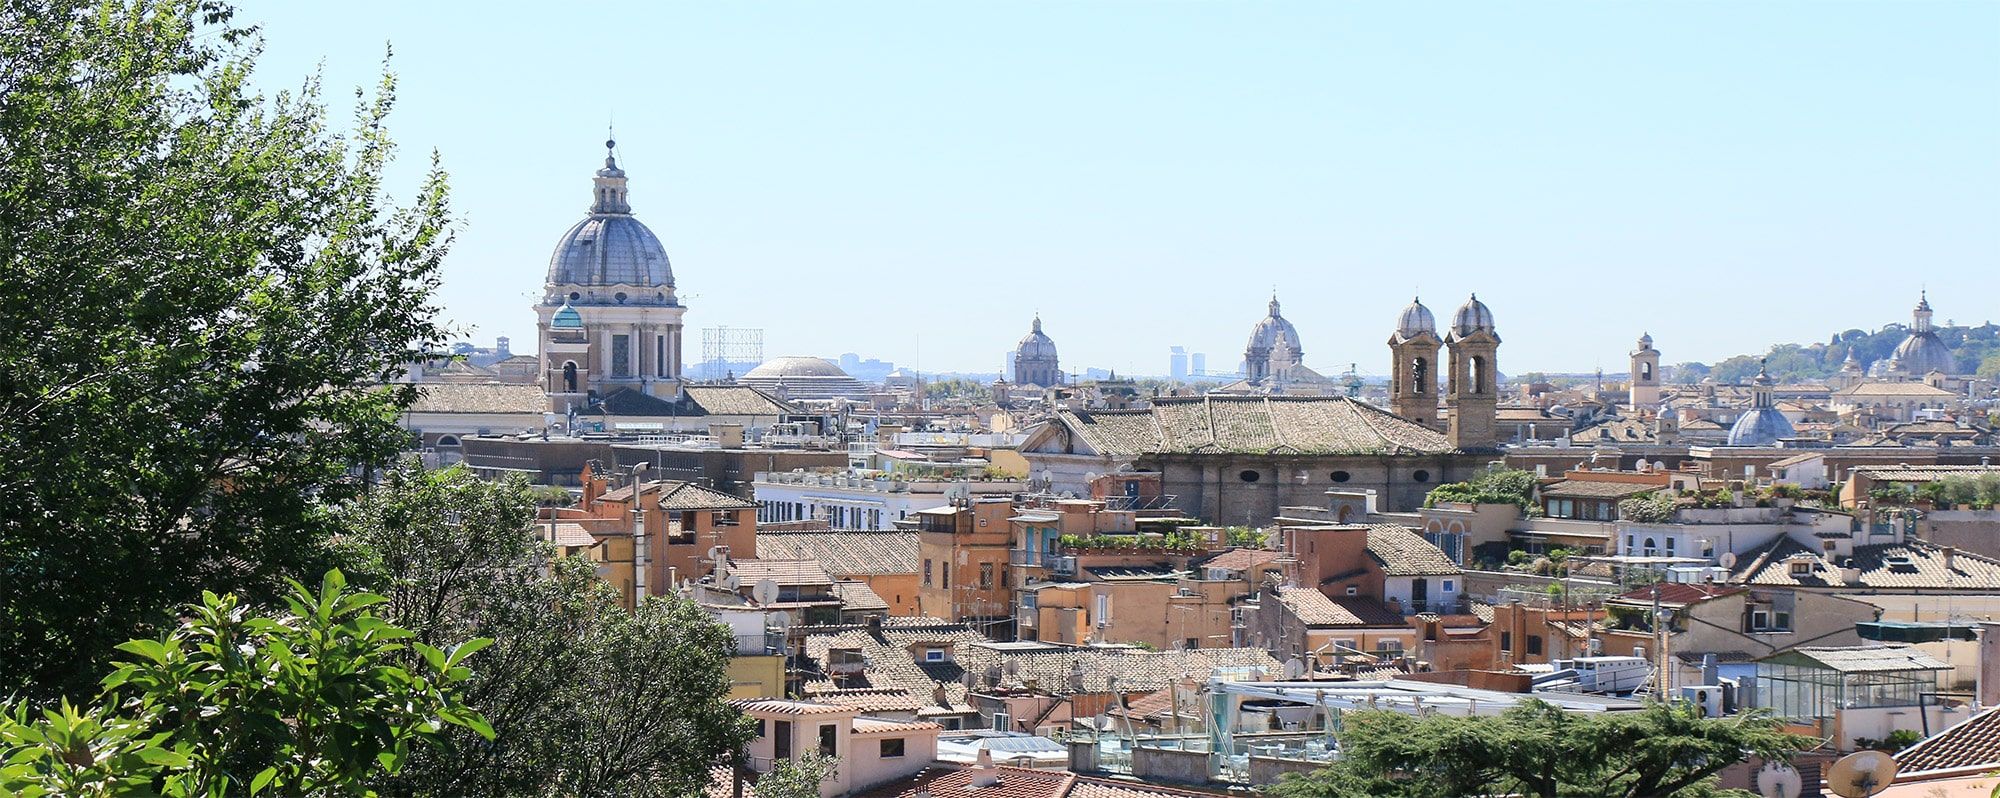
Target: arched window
1650	547
1420	372
447	440
1646	371
569	377
1478	374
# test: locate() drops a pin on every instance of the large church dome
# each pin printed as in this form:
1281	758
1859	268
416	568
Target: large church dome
1472	317
1036	345
610	248
1416	320
1273	328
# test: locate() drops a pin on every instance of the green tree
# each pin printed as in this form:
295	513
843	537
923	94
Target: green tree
205	290
584	697
797	778
1662	751
1496	486
317	701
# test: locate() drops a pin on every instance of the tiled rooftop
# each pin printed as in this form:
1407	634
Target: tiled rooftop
1402	552
1916	564
1215	424
483	398
845	553
1971	745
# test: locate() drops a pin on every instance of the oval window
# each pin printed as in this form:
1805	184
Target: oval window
1250	476
1421	475
1342	476
574	296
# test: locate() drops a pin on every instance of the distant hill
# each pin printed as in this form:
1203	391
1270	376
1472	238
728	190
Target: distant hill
1977	350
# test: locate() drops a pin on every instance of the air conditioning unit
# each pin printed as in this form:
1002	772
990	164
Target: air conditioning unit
1707	698
1065	566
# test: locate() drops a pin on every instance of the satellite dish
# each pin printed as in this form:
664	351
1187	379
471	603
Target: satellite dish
1294	668
1861	774
1728	559
765	592
1103	722
781	621
1013	666
1778	780
714	552
732	582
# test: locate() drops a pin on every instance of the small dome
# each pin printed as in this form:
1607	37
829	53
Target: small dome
1645	340
566	318
783	367
1763	426
1923	353
1472	317
1416	320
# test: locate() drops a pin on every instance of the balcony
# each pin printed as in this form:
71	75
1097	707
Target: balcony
1039	559
752	645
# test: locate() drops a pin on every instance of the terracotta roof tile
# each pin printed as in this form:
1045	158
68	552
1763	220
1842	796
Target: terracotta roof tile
1253	424
1402	552
845	553
1314	608
1973	745
482	398
784	572
1915	564
1240	559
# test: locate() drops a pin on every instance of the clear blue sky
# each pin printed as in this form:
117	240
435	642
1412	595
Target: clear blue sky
851	176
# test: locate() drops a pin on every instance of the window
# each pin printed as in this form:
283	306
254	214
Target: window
1342	476
944	575
934	655
1760	620
621	356
829	736
986	576
781	741
1191	643
1506	641
892	749
927	573
1534	645
1801	568
1389	644
1353	591
1421	475
1449	586
1103	608
1249	475
659	356
1670	547
1781	621
1344	647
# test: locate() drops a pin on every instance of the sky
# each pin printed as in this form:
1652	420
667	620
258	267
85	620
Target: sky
916	180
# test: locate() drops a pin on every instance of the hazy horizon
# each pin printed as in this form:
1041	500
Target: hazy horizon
851	177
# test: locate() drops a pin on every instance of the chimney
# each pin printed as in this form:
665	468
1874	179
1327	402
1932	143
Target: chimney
1988	692
983	772
875	624
728	436
1950	554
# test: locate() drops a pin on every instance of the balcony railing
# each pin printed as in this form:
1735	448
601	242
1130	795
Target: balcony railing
751	645
1038	559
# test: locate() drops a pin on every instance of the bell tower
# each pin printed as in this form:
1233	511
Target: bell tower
1413	352
1645	386
1473	391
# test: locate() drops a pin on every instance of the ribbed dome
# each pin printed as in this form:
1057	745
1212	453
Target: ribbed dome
566	318
1763	426
1473	316
1416	320
1923	353
1035	345
795	367
1645	340
609	247
1270	329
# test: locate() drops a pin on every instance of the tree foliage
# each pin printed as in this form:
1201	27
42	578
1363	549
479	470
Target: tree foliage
317	701
1662	751
1497	486
584	697
204	289
797	778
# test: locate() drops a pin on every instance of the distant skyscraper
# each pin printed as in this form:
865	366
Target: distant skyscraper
1177	363
1198	364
